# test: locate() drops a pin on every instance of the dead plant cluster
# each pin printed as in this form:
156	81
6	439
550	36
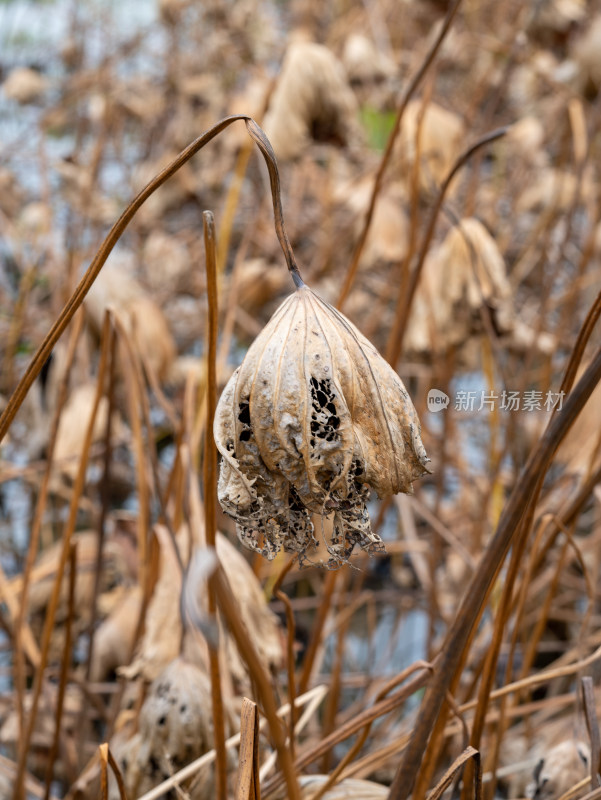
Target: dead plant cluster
439	180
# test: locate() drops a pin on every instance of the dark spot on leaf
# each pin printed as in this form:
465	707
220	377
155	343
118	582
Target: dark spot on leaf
244	415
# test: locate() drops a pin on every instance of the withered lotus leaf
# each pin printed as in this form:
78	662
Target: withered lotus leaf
311	420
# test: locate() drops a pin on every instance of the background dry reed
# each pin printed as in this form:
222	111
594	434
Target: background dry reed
462	652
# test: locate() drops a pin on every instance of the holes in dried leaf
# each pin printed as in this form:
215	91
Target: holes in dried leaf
324	417
244	415
244	418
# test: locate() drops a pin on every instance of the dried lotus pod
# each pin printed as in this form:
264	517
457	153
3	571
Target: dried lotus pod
311	420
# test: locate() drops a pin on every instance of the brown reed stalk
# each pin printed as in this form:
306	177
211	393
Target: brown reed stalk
22	632
104	495
248	786
492	655
229	608
532	644
210	494
439	732
18	790
577	353
103	752
518	614
65	662
410	90
371	761
117	773
473	602
470	753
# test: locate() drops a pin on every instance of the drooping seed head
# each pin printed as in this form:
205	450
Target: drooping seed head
310	421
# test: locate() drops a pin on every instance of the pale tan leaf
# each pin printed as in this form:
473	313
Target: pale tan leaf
312	420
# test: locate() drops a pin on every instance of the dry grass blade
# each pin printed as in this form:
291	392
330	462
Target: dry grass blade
578	350
319	623
362	737
103	752
23	635
460	761
117	773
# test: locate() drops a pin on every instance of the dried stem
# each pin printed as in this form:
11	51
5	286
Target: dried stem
468	754
228	606
248	787
18	792
265	147
117	773
583	337
105	496
210	494
21	629
65	662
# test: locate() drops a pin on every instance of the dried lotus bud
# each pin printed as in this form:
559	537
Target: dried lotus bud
311	420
